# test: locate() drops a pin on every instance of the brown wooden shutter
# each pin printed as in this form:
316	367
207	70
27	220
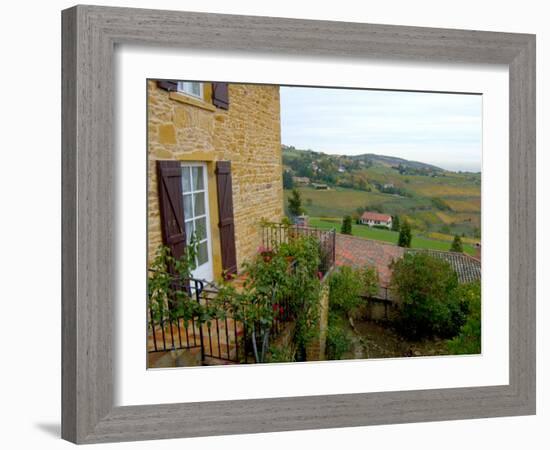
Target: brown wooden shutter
225	210
220	95
168	85
171	206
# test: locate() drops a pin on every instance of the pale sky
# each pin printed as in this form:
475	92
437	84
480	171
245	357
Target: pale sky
439	129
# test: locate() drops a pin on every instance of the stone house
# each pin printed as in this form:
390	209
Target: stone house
214	170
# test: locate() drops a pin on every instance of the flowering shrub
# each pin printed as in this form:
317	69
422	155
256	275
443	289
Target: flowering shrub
282	282
285	276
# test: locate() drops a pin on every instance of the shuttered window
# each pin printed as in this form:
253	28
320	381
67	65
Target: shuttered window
171	206
168	85
220	95
220	91
225	211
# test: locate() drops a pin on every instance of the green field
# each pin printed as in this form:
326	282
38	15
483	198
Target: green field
377	234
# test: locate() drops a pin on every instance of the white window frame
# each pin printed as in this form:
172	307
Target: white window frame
206	214
184	88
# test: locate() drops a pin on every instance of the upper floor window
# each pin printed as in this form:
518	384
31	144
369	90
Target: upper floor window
192	88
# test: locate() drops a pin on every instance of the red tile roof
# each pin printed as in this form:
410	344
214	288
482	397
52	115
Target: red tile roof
359	252
367	215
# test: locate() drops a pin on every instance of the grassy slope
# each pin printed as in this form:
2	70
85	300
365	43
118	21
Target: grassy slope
386	235
341	201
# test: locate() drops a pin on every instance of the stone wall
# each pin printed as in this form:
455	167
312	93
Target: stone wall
315	351
247	134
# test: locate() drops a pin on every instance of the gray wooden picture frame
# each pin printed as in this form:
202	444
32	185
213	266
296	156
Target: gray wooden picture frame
90	34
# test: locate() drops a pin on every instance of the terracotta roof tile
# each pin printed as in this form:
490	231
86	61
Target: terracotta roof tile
367	215
467	267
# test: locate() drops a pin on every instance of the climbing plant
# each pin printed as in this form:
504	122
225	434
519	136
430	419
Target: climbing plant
168	295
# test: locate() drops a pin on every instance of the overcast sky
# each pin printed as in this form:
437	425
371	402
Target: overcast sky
439	129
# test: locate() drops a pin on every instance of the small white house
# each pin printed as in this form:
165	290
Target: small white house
373	218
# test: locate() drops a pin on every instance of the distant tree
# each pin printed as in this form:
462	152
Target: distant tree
346	225
457	244
295	207
395	223
288	183
405	235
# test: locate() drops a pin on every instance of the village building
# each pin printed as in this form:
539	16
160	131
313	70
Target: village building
302	181
320	186
373	218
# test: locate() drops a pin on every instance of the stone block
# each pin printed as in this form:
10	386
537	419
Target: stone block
167	134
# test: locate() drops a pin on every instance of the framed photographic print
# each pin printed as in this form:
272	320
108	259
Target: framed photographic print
264	229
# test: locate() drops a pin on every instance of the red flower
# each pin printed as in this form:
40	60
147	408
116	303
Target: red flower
320	275
275	307
281	310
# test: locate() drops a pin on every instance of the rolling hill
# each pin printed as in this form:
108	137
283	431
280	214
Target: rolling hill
432	199
393	161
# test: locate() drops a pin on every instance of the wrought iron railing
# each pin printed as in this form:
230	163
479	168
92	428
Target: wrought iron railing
274	234
220	338
224	339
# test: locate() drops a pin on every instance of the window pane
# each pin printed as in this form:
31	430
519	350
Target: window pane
199	204
189	228
187	207
195	89
191	88
186	179
200	228
202	253
198	181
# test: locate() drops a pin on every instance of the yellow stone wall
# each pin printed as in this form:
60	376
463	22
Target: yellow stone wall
248	134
